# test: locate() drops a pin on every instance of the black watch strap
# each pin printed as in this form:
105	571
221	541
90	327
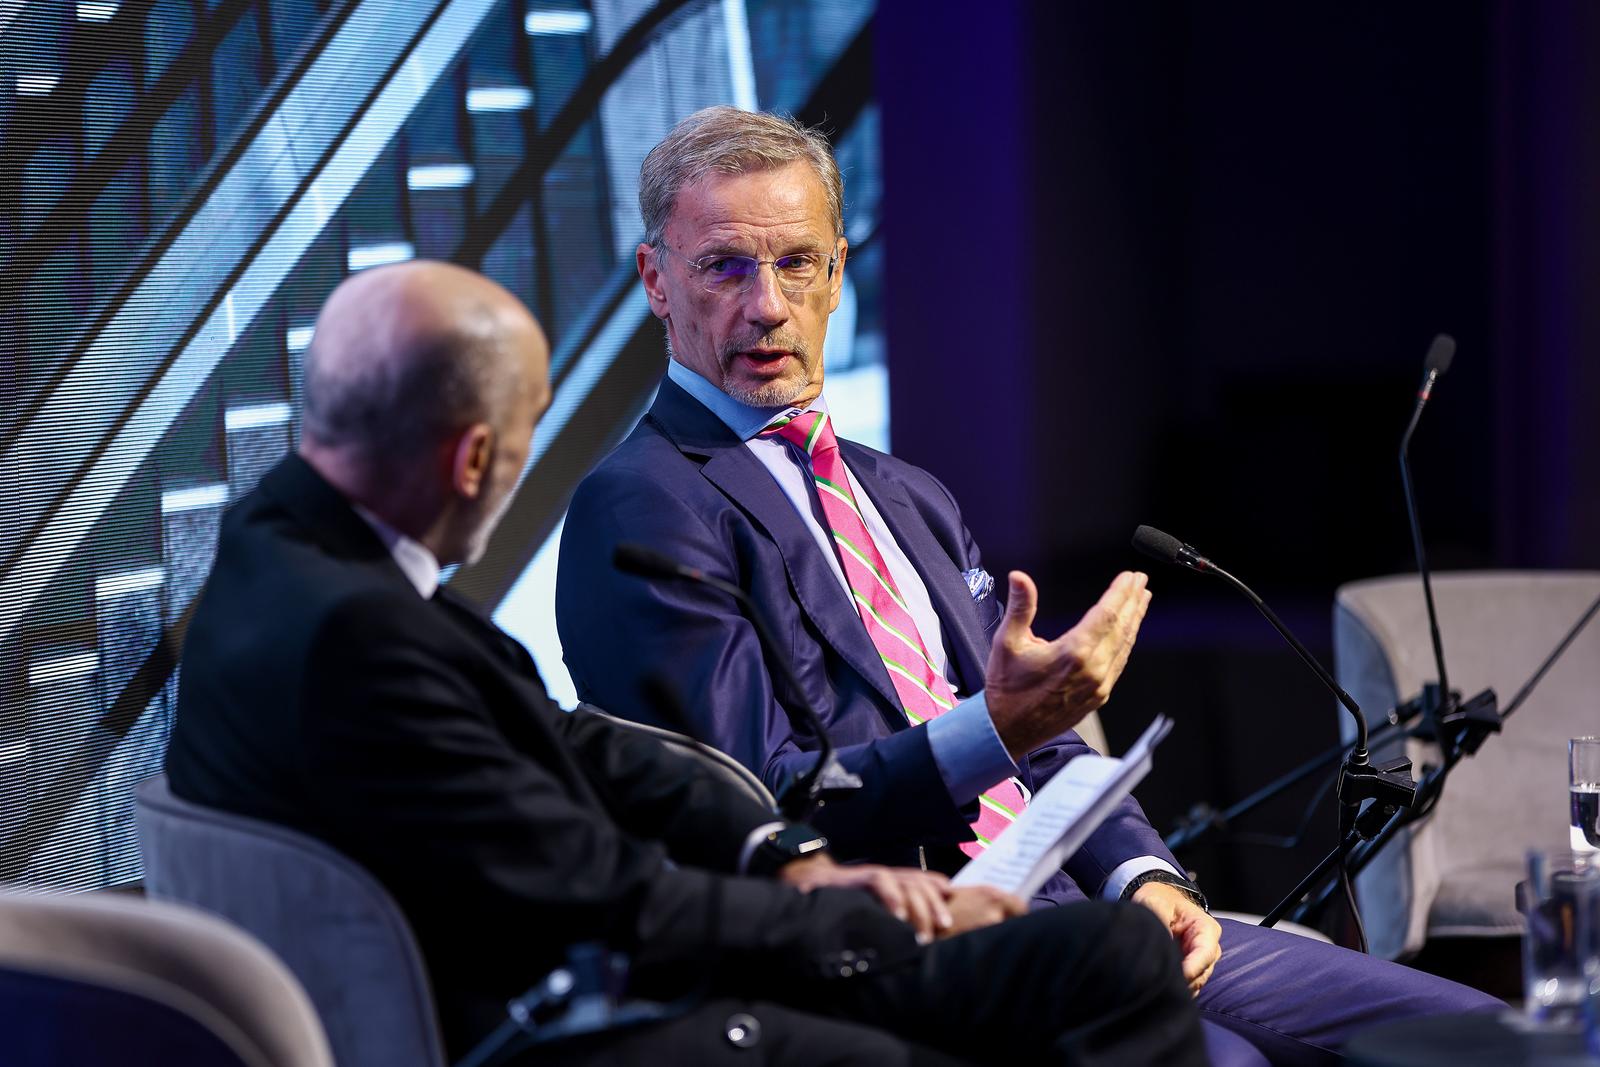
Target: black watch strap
781	846
1166	878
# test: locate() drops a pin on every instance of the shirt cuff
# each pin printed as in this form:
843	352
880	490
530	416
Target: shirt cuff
1128	870
968	751
753	842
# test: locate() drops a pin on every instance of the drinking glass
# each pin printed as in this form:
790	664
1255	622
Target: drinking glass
1560	952
1583	784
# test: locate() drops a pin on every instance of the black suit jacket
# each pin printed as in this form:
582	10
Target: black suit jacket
320	691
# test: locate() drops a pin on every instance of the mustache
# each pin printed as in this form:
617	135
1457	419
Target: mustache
776	340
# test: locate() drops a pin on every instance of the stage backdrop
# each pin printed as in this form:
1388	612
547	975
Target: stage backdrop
182	182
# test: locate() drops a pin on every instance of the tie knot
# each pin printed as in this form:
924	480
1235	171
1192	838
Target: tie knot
811	430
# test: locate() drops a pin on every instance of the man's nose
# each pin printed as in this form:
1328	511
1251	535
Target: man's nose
765	302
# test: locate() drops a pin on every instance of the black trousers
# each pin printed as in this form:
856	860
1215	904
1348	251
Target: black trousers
1087	984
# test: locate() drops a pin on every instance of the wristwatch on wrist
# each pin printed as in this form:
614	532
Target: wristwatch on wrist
779	847
1166	878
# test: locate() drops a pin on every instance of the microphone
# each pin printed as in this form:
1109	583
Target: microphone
1163	546
1168	549
827	778
1388	786
645	562
1440	354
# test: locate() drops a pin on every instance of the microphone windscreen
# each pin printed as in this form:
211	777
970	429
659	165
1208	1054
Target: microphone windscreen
1152	542
630	558
1440	353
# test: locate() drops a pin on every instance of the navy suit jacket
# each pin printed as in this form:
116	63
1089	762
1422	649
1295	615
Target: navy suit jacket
685	485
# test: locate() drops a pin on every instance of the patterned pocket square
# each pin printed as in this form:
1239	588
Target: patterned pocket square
979	584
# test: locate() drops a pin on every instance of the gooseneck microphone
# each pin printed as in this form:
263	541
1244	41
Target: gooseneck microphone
827	778
1163	546
1440	353
1388	786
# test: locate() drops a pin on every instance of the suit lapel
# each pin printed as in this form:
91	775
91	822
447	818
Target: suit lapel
731	467
952	601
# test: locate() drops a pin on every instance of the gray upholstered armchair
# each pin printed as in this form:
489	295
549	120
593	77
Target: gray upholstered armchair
338	930
1454	873
107	978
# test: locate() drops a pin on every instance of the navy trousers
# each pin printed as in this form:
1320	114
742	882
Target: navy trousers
1281	998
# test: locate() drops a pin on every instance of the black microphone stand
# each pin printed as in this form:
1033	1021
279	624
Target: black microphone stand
1458	727
1388	785
1203	820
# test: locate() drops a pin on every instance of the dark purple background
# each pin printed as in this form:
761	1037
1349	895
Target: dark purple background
1179	264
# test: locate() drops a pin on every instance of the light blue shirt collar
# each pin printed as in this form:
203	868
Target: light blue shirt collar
744	420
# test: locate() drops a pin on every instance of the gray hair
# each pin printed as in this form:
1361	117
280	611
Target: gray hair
726	140
388	411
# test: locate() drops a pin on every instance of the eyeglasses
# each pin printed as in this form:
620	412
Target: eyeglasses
798	272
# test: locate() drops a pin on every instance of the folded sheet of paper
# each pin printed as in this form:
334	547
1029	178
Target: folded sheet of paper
1060	818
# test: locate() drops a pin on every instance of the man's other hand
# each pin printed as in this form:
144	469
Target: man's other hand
1198	935
977	906
920	898
1038	689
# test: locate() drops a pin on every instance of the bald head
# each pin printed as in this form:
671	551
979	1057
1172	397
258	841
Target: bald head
406	363
404	356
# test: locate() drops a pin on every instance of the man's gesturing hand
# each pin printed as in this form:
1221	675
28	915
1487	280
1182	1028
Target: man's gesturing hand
1038	689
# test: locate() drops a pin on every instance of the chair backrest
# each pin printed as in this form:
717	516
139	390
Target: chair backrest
1455	873
104	978
714	760
338	930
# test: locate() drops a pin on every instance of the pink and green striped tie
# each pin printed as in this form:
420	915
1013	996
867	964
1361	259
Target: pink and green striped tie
924	693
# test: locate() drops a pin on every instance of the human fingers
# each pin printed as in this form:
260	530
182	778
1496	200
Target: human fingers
1022	603
1200	983
1202	947
1129	609
1008	904
975	907
1128	636
1116	631
1101	619
926	901
886	887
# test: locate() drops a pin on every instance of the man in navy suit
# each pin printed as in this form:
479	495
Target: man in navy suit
743	262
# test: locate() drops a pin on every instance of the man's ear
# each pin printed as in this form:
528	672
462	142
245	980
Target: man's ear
649	264
836	283
472	459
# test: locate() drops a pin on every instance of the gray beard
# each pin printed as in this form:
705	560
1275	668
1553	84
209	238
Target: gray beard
478	540
770	395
